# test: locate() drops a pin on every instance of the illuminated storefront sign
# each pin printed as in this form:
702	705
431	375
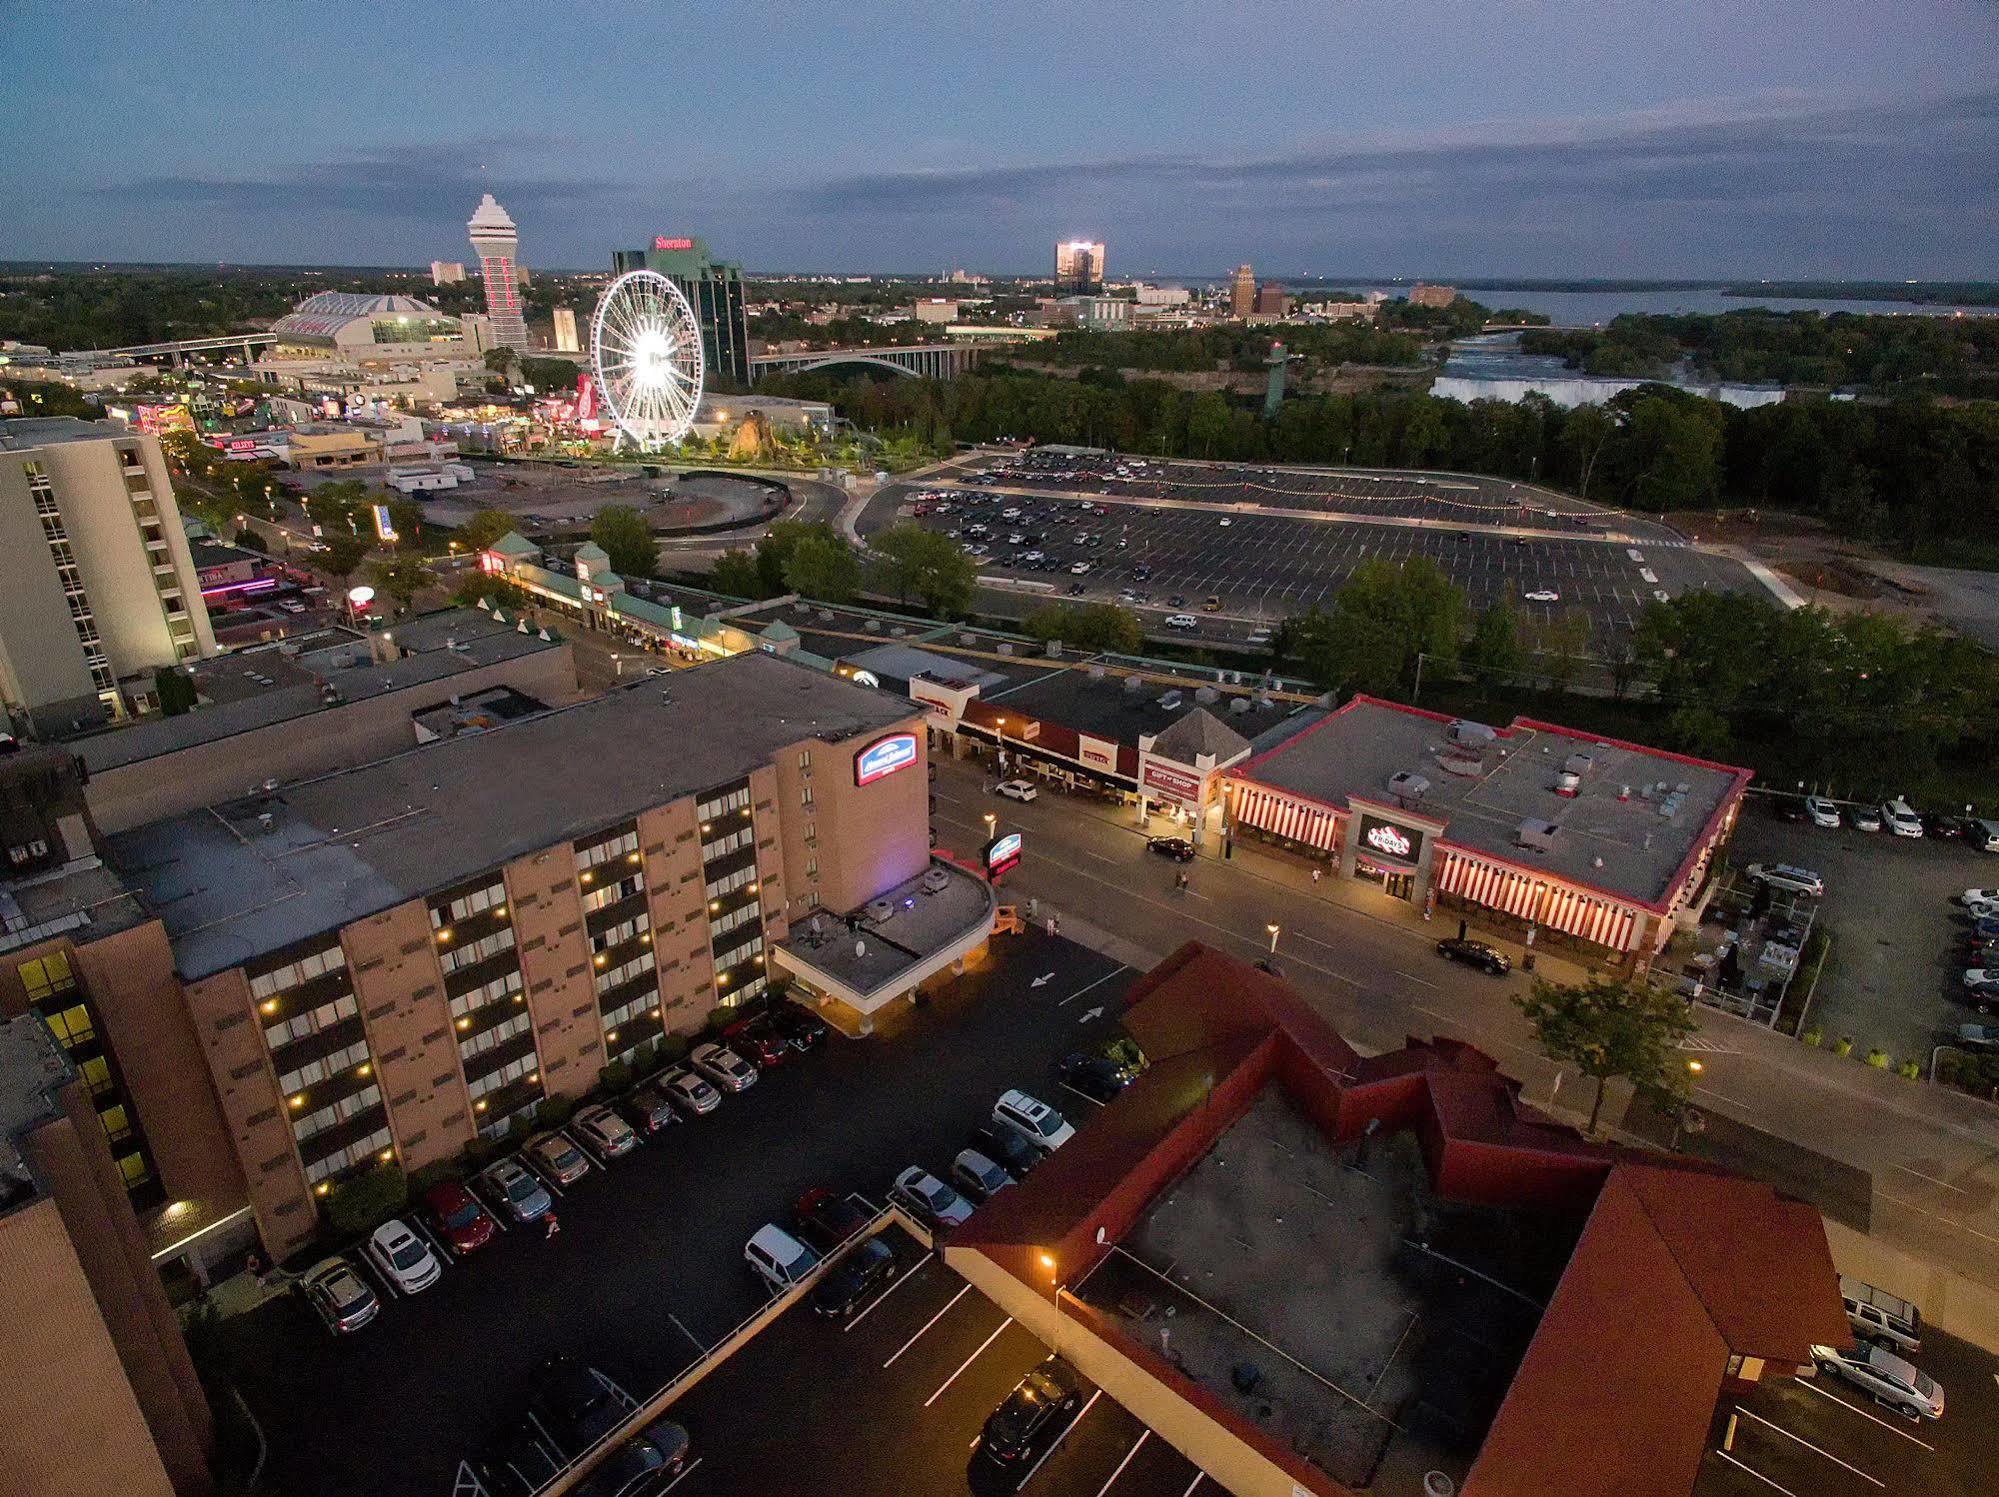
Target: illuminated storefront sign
1175	785
1400	843
884	757
1002	853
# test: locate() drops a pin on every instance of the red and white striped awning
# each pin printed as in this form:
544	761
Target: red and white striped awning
1266	810
1527	896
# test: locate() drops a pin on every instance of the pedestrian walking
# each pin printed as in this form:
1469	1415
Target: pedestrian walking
1054	923
1315	878
554	1226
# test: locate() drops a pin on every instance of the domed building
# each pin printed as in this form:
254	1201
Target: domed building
354	326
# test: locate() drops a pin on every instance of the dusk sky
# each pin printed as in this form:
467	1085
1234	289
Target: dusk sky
1718	138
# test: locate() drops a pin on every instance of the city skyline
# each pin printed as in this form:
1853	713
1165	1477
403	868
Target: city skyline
1689	144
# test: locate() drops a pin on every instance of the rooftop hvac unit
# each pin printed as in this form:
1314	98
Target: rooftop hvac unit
1536	835
879	910
1568	785
825	615
1207	696
1004	647
1468	734
935	880
1239	705
1578	764
1407	785
1134	685
1170	700
873	626
1096	673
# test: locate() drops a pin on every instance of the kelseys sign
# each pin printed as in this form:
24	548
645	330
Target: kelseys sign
1390	840
884	757
1002	853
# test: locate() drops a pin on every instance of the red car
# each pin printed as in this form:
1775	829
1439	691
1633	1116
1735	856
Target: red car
757	1041
456	1217
826	1219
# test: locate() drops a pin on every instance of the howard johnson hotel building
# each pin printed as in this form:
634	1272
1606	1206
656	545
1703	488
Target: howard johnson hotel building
1544	832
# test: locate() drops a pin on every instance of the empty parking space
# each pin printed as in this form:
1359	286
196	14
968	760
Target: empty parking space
894	1403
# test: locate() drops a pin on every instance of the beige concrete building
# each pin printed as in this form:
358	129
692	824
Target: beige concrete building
1424	295
1242	292
384	963
100	588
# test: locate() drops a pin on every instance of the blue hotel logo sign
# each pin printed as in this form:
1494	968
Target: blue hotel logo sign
884	757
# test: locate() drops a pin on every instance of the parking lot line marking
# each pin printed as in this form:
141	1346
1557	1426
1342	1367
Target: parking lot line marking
1056	1443
1931	1178
1937	1215
687	1333
1120	967
1755	1473
1805	1382
689	1471
1199	1476
927	1325
904	1279
1111	1480
1423	982
969	1361
1767	1424
1084	1095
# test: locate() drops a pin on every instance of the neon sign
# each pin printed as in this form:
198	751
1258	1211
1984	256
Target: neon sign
661	242
1002	853
884	757
1384	838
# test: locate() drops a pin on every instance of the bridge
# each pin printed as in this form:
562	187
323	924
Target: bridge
920	360
180	348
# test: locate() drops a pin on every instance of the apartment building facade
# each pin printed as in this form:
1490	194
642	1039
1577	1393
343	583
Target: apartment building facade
101	587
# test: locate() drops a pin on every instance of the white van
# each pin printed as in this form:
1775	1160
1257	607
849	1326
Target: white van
1879	1317
1901	818
780	1259
1987	835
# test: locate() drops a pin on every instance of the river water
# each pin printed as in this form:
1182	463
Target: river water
1593	308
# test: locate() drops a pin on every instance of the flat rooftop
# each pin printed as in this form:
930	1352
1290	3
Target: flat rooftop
250	689
1289	1279
46	431
869	954
1620	833
238	880
1109	707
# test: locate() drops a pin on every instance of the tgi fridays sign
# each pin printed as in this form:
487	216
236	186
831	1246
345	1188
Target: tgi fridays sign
1163	782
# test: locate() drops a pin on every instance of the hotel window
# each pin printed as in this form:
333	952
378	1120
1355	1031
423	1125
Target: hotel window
741	837
721	805
493	1080
298	1026
624	888
503	986
625	972
294	974
354	1153
721	925
46	976
617	935
740	953
812	867
493	896
335	1112
464	956
622	846
805	795
732	882
805	758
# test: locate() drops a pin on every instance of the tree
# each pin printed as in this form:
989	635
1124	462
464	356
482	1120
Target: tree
340	556
823	567
356	1205
406	519
1381	621
1093	626
925	564
338	505
1494	652
484	528
627	539
401	577
1563	644
176	691
1609	1027
735	573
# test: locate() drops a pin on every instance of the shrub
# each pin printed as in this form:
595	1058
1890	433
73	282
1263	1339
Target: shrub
354	1206
553	1112
1813	1037
1910	1070
616	1076
673	1047
437	1171
1878	1058
1843	1045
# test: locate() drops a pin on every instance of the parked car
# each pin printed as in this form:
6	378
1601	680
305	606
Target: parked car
1979	896
868	1266
1015	790
1866	818
1037	1122
574	1403
557	1158
518	1464
457	1219
652	1456
1978	1036
756	1039
1182	621
1784	808
1544	595
402	1256
826	1218
1029	1419
779	1259
1006	1147
339	1296
1786	876
978	1178
722	1066
1942	827
804	1030
1901	818
1881	1317
1475	954
523	1196
1821	811
1985	927
1097	1077
1179	849
1884	1376
929	1199
1211	604
649	1109
691	1095
603	1130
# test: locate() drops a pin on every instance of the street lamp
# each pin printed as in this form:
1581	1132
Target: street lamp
1273	929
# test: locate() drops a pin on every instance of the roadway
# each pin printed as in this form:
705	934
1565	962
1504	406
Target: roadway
1914	1168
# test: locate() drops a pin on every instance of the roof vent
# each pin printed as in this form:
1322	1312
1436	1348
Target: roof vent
1206	695
879	910
1407	785
1578	764
1468	734
1169	700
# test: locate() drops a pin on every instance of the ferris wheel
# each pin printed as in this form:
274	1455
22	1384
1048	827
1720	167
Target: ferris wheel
645	349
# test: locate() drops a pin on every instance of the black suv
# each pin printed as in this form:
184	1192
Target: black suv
1005	1148
802	1029
1476	954
1179	849
575	1404
1031	1417
853	1279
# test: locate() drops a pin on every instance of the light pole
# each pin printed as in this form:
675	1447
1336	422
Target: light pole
1273	929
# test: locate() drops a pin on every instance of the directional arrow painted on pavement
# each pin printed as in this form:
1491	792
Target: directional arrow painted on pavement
1088	1014
1043	980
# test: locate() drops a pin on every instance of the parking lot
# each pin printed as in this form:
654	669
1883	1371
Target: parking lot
892	1401
647	1270
1897	937
1816	1436
1261	566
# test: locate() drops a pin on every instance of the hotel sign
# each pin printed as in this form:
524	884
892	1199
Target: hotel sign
1390	840
662	242
1002	853
884	757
